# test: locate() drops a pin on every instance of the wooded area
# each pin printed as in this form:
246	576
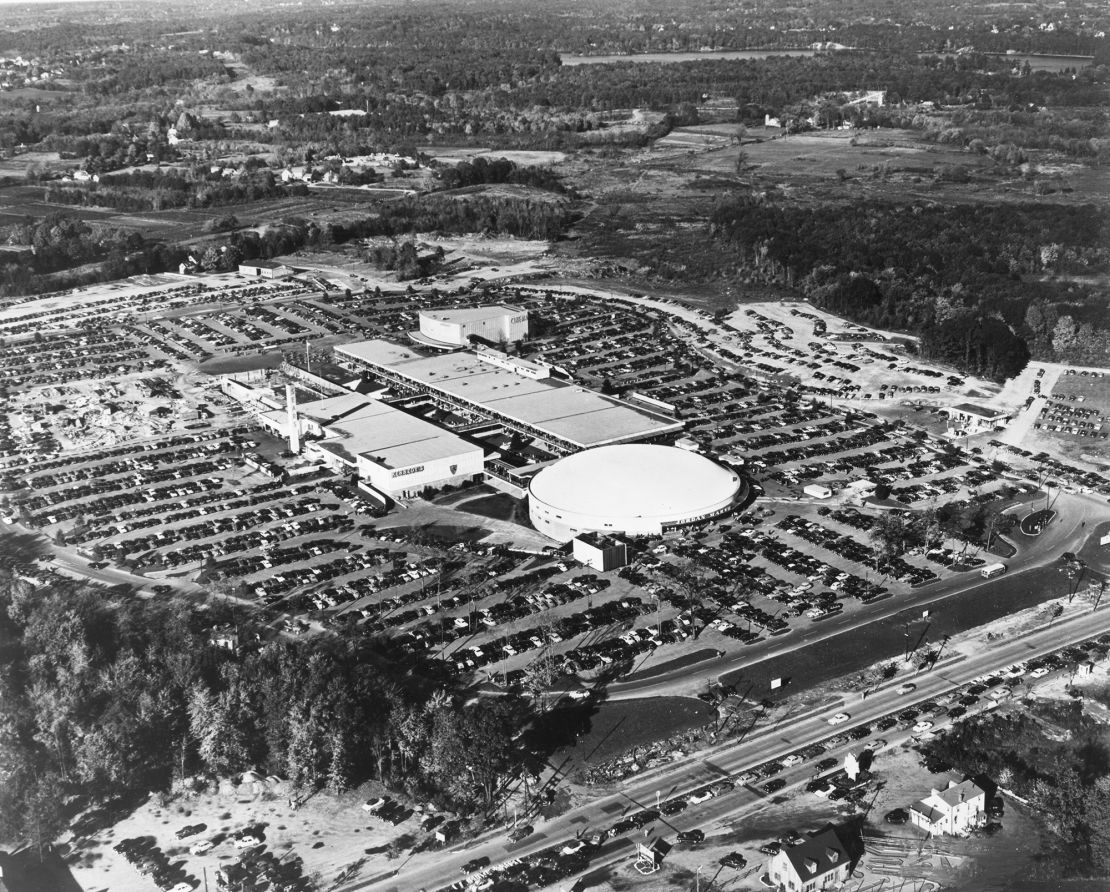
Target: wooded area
101	699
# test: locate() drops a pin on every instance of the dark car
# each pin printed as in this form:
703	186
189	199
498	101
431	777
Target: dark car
898	816
860	733
691	837
826	764
771	848
886	723
522	832
995	807
771	768
674	806
734	860
191	830
475	864
773	786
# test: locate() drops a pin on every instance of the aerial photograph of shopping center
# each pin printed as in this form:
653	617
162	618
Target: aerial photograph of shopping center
583	445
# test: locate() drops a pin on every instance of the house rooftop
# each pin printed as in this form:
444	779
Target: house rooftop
957	793
818	855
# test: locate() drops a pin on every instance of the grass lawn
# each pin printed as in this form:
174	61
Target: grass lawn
689	659
499	506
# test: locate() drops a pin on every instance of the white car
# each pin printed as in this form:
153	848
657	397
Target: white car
580	694
1039	672
825	791
839	719
246	841
699	797
922	726
183	887
1016	671
373	804
908	688
205	845
877	744
792	759
573	847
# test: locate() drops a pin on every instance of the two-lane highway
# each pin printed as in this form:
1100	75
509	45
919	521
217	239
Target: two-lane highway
774	740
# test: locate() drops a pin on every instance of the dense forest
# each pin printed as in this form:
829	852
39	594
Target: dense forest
964	276
101	699
1057	758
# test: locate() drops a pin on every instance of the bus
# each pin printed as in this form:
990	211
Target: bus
992	570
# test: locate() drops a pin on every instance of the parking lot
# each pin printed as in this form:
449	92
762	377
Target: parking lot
218	502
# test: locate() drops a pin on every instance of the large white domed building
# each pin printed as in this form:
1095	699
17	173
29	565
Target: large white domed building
636	489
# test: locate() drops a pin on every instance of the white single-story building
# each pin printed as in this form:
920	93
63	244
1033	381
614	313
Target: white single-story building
265	269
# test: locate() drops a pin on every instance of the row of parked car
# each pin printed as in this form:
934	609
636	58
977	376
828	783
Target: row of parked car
143	853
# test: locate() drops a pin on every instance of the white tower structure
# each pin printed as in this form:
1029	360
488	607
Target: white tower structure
291	419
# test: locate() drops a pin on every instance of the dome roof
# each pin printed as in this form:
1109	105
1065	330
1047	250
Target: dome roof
635	481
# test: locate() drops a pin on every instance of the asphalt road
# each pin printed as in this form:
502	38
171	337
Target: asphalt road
782	736
849	641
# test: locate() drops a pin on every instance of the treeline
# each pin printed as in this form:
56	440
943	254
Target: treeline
501	170
507	215
1056	757
109	73
575	99
162	190
961	275
60	242
102	699
622	26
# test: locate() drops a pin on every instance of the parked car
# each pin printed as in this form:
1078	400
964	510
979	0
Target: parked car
734	860
674	806
773	786
199	848
898	816
692	837
190	830
475	864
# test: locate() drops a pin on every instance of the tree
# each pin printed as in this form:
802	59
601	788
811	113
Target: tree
210	259
1065	337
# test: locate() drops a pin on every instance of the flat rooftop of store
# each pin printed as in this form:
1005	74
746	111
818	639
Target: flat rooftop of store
378	431
565	411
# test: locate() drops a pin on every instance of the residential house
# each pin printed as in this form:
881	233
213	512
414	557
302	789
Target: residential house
955	811
821	862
